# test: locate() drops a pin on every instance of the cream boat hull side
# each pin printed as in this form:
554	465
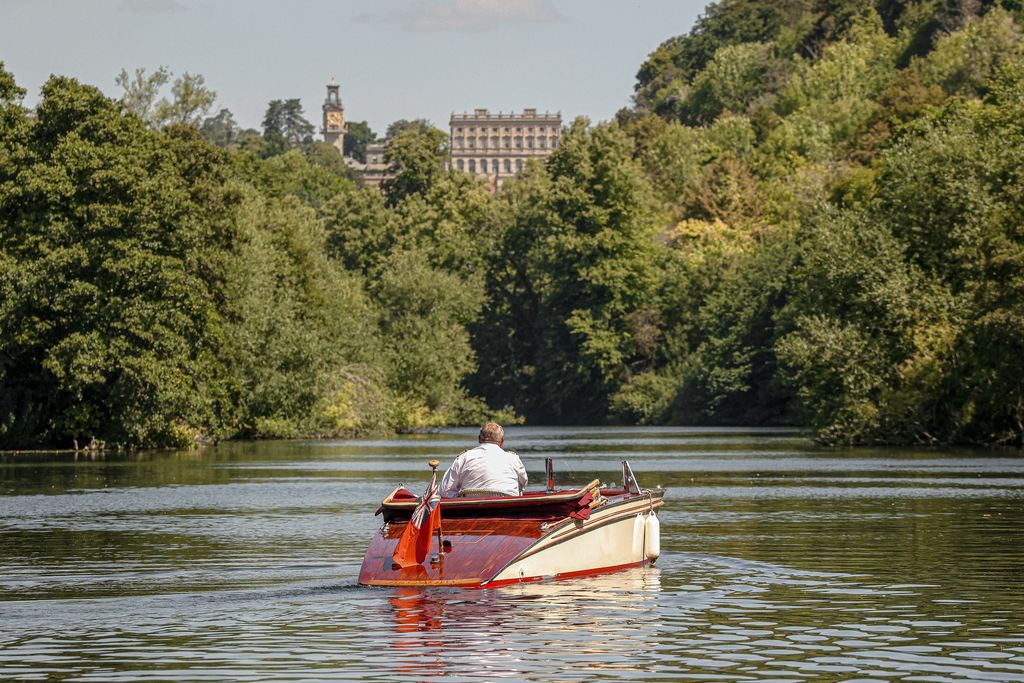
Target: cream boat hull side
611	538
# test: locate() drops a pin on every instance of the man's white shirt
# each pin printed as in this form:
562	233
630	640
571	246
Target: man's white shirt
488	466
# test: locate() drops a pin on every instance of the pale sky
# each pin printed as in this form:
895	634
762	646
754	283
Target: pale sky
393	59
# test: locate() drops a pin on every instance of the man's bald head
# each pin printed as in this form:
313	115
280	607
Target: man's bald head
491	433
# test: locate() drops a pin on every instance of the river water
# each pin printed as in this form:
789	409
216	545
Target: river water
781	562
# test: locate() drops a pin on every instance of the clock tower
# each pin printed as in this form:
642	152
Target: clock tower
334	118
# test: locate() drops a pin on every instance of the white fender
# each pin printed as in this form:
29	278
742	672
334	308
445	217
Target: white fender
652	537
638	538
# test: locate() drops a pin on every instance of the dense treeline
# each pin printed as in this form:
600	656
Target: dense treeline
156	290
845	182
812	215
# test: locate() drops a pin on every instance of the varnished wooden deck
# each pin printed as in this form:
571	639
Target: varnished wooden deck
479	549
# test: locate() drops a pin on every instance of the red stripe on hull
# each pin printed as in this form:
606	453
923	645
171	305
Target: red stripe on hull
563	575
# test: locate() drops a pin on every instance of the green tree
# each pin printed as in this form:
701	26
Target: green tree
221	129
285	122
906	99
301	343
141	90
292	173
425	313
357	135
831	98
577	260
948	189
963	60
731	81
323	155
401	125
865	323
729	22
361	231
732	375
447	223
189	104
415	159
114	234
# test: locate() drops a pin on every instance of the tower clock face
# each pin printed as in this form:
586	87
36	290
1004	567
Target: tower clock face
334	119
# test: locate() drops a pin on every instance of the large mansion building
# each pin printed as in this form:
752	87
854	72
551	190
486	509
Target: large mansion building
497	146
489	146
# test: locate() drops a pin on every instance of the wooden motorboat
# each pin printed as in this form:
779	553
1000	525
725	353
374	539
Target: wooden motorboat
487	542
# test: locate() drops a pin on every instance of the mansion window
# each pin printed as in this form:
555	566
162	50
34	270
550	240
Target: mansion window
461	165
508	165
472	165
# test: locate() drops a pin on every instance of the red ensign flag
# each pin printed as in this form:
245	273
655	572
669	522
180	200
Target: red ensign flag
414	544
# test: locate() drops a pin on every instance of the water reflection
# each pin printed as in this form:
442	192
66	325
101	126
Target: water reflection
603	621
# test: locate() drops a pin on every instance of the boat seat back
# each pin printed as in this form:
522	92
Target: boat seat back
401	503
483	493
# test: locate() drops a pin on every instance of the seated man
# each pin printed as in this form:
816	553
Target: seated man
487	470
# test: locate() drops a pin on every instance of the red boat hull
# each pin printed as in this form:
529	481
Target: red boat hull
493	542
478	550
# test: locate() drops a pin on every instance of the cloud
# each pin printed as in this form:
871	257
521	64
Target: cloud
150	6
467	15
